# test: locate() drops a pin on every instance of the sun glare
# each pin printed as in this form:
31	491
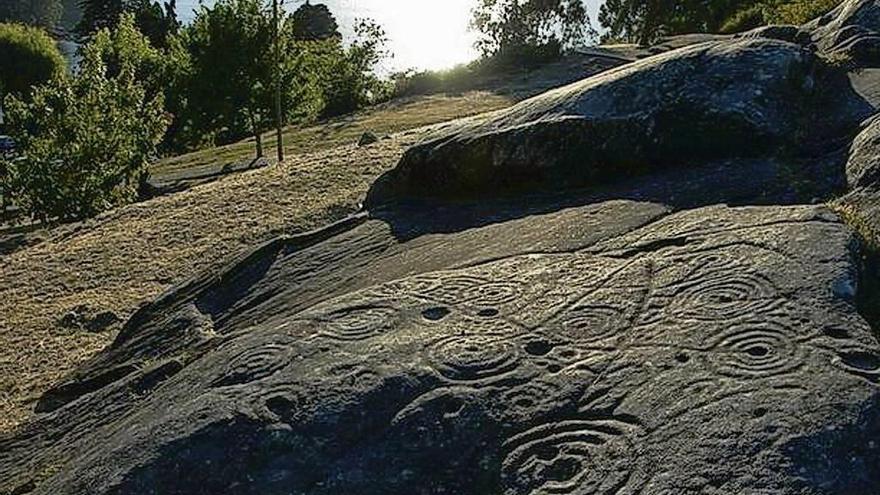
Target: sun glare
424	34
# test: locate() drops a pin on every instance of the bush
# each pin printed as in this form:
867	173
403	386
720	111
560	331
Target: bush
84	141
344	75
799	11
745	20
777	12
28	57
456	79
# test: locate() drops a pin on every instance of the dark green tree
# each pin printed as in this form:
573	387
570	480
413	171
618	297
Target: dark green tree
314	23
643	21
156	20
523	30
97	15
28	57
231	92
43	13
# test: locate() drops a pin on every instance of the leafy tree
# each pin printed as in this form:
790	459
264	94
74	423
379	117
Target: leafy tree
230	67
522	30
230	45
347	75
160	71
43	13
156	20
85	140
643	21
28	57
314	23
97	15
777	12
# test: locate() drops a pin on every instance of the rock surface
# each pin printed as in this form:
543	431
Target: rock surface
702	323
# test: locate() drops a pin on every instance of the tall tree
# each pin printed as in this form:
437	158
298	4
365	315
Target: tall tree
156	20
233	72
517	28
314	23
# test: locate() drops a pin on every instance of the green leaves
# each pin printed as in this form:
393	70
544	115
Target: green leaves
84	140
28	56
643	21
523	29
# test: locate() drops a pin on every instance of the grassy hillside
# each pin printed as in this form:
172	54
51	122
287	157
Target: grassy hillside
124	258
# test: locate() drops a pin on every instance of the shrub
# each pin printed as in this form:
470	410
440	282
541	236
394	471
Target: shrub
344	75
799	11
28	57
84	141
744	20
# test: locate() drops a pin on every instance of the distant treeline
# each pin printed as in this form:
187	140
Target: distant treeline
148	86
643	21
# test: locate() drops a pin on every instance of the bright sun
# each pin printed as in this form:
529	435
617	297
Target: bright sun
424	34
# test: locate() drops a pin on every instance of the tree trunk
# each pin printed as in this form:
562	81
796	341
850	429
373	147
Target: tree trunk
258	138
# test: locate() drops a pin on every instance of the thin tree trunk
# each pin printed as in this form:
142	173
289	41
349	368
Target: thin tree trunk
258	138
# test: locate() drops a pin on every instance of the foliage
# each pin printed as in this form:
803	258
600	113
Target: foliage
28	57
750	17
643	21
526	30
458	78
160	71
347	76
230	94
157	21
43	13
798	11
85	140
97	15
314	23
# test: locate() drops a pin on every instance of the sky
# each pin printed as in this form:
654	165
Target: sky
423	34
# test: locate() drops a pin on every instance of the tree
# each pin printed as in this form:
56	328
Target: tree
230	45
43	13
314	23
347	74
643	21
521	30
28	57
156	20
84	140
97	15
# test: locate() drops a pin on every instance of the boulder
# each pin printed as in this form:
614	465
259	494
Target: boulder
367	138
851	32
863	164
704	322
717	99
614	346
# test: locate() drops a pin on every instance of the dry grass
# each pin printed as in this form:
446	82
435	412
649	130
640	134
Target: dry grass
127	257
390	118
